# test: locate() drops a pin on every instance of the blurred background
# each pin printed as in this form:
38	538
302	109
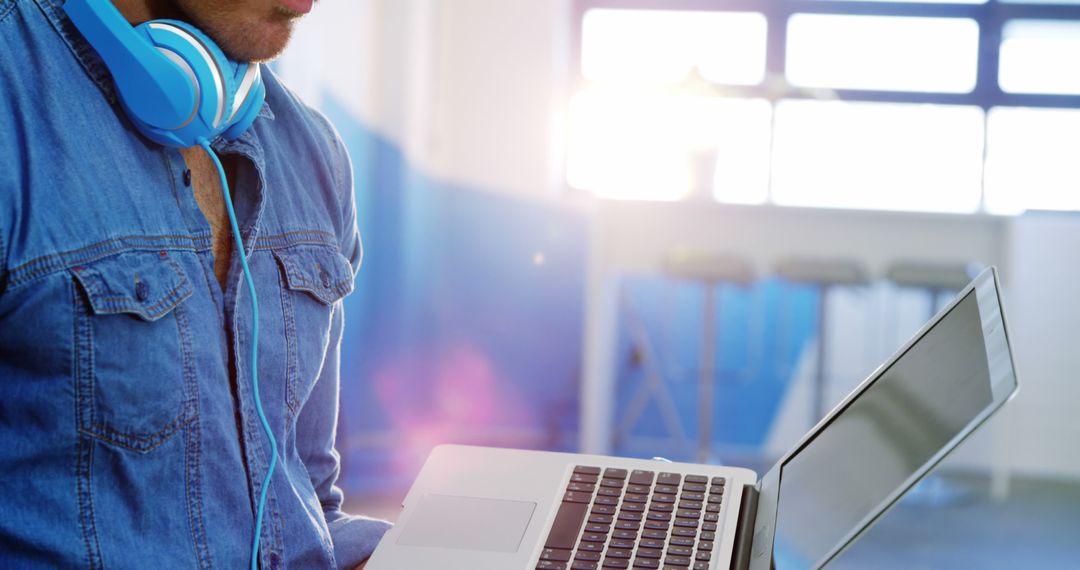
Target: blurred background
687	228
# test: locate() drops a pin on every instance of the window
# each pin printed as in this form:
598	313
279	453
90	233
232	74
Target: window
951	106
882	52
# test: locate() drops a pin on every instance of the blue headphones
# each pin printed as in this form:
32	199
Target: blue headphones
175	83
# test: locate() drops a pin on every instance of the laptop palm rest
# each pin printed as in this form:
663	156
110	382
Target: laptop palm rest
467	523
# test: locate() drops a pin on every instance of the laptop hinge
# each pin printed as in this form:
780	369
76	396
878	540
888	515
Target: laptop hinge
744	530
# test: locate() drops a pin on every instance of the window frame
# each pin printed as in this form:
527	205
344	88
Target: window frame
990	16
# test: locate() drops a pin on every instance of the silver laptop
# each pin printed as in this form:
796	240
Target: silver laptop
498	509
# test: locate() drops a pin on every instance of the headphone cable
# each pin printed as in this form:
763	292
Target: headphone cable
254	352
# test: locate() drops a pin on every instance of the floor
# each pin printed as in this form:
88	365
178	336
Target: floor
1037	527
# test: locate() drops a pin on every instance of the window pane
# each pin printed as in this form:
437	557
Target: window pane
935	1
1040	56
883	53
1056	2
878	156
665	147
1031	160
665	46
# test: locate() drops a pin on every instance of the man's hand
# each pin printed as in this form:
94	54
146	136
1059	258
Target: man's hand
361	565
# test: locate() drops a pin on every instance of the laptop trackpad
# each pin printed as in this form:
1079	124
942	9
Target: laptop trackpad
469	523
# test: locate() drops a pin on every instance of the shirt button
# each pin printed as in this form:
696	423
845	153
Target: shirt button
142	290
187	177
325	279
275	561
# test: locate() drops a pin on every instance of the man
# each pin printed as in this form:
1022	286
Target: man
128	431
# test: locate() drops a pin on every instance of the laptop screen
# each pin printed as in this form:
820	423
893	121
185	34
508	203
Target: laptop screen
859	460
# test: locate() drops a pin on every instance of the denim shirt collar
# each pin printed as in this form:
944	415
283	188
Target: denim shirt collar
90	61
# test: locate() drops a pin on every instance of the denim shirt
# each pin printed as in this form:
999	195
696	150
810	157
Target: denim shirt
128	434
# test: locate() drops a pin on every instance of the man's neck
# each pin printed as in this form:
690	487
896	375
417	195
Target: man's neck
139	11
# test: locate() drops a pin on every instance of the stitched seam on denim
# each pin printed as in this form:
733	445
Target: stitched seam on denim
141	443
172	299
150	243
291	357
192	441
83	353
46	264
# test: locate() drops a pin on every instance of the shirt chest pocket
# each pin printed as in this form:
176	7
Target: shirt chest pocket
135	377
313	279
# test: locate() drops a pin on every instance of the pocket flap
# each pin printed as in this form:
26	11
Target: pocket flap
146	284
320	271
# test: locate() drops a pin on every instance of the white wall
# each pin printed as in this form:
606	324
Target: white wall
471	89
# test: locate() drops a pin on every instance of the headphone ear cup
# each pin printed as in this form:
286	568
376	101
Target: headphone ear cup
247	102
211	72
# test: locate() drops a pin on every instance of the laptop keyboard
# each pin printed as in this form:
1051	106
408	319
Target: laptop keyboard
634	519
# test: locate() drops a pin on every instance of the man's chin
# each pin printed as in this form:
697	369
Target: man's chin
263	43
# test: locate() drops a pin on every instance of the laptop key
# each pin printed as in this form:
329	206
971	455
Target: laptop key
584	565
593	537
669	479
625	534
600	519
638	489
575	497
587	556
556	554
709	526
598	528
616	563
689	532
582	478
654	553
680	561
632	498
657	525
586	470
680	551
666	489
608	492
603	509
697	479
701	566
706	556
646	563
590	547
682	541
567	525
709	536
695	487
719	481
641	477
614	473
662	498
634	507
581	487
692	505
614	483
656	534
621	543
622	553
628	525
661	507
550	565
705	545
604	500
